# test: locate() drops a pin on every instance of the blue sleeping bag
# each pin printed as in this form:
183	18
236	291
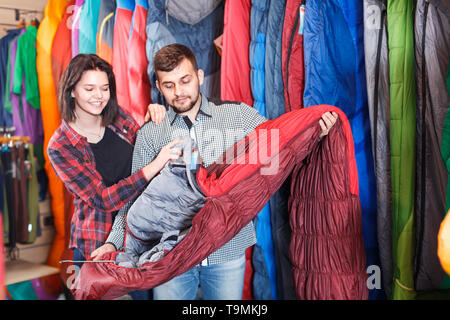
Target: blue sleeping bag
194	24
264	277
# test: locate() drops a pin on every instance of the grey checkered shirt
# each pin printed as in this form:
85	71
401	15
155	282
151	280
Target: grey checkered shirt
218	126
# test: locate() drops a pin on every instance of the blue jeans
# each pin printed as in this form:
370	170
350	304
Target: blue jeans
224	281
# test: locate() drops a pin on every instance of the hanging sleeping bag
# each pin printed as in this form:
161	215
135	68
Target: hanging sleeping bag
235	82
75	29
443	249
5	116
51	118
138	82
264	275
403	144
432	52
292	54
122	27
193	23
61	56
273	68
88	26
445	149
62	45
235	66
377	79
274	97
333	227
334	73
403	123
105	30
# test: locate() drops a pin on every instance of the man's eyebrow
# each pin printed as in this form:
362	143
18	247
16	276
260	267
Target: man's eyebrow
183	77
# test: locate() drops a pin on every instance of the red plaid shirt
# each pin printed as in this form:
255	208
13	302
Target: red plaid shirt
95	204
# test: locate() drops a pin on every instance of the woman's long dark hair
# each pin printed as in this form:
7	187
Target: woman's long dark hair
72	75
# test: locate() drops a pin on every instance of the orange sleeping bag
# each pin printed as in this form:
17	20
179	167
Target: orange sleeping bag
51	119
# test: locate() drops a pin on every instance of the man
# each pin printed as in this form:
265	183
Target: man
215	126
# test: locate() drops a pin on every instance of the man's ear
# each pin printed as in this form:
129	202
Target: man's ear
201	76
157	85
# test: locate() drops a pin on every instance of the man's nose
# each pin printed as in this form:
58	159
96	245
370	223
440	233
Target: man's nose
176	90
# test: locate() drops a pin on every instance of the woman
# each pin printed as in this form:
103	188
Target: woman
91	152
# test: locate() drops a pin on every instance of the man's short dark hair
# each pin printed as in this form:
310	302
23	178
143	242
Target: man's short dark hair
170	56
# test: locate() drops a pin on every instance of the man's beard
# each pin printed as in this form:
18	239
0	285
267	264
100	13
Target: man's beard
190	106
185	109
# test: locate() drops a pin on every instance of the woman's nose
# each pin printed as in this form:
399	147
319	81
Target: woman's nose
98	93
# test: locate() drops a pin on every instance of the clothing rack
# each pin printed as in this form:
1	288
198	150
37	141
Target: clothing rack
7	130
21	17
9	141
13	140
7	137
19	11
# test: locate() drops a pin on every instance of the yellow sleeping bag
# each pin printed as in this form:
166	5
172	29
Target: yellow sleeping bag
443	249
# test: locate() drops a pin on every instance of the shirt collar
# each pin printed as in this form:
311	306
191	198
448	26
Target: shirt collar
204	109
73	136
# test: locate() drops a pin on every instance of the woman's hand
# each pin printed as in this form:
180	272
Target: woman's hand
97	253
156	113
327	122
168	152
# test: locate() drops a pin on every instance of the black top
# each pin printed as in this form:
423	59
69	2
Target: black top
113	157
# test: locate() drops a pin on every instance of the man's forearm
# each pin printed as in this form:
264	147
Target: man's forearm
117	234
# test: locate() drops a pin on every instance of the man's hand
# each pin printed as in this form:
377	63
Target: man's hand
97	253
327	122
155	112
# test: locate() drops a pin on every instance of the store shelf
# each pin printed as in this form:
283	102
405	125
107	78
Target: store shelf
19	270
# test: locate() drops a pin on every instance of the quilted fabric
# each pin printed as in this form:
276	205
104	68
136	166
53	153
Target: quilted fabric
432	31
403	144
377	78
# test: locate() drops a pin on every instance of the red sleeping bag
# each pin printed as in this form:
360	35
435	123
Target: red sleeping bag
235	83
292	59
138	82
326	250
